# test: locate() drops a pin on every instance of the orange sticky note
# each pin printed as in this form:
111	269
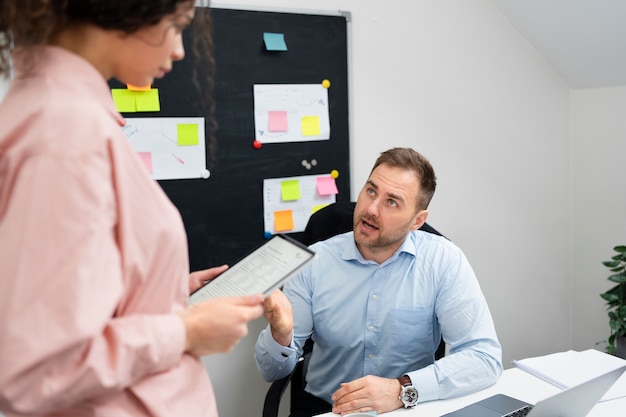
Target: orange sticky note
136	88
283	220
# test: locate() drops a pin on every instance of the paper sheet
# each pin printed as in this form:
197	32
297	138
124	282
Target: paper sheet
291	113
170	147
289	202
569	368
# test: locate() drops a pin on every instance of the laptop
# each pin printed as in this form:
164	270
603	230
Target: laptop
575	401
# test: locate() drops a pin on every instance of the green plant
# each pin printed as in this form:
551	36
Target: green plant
616	297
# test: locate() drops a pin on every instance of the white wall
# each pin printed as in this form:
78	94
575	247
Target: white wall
598	203
454	80
529	172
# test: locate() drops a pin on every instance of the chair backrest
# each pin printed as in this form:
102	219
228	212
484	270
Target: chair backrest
327	222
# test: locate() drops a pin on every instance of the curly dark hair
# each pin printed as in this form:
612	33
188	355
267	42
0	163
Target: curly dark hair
34	22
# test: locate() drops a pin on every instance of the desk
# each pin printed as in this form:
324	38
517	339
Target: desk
513	382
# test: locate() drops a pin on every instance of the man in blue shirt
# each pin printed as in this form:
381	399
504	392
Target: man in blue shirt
376	302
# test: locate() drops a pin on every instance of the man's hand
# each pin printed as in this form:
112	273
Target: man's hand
198	278
367	394
280	317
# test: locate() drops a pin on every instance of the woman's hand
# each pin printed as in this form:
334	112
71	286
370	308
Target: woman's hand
198	278
217	325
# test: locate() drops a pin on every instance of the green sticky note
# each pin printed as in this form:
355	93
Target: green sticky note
147	100
290	190
187	134
124	100
311	126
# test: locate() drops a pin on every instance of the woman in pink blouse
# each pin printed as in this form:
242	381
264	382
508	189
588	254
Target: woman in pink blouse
94	275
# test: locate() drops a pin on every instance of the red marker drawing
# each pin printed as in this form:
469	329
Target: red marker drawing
178	159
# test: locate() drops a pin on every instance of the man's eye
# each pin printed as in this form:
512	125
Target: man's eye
392	203
370	191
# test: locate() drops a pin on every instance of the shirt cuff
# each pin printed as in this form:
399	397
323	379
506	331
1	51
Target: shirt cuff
170	335
276	350
425	381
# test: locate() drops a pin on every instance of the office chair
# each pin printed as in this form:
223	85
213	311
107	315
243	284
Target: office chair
327	222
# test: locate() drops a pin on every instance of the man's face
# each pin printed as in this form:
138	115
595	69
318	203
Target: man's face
386	211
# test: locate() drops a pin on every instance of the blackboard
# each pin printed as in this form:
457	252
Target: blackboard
223	215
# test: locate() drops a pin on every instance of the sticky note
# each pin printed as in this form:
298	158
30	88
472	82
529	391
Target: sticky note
283	220
124	100
311	126
187	134
290	190
318	207
277	121
147	100
146	157
326	186
274	41
137	88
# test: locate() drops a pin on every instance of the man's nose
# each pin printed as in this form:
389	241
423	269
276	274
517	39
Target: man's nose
373	209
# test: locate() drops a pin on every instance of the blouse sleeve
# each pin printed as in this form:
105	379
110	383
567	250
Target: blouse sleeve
62	340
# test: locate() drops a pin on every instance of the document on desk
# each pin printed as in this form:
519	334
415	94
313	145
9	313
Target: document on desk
569	368
261	271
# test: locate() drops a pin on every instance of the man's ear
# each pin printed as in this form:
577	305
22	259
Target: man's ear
420	219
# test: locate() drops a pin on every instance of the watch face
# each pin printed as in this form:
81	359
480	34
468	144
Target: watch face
409	396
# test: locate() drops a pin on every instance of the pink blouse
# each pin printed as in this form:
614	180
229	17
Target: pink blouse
93	257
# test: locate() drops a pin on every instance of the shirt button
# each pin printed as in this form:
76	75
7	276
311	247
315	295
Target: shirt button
372	328
374	297
370	356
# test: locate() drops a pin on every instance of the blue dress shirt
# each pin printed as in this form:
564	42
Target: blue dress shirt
387	320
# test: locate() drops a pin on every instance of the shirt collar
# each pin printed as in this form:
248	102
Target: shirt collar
351	252
63	66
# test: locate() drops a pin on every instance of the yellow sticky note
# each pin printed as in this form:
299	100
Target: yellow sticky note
311	126
148	100
187	134
283	220
318	207
290	190
124	100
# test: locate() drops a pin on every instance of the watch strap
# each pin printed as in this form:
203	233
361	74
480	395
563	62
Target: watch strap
405	381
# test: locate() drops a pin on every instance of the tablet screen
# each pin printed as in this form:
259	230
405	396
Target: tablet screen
261	271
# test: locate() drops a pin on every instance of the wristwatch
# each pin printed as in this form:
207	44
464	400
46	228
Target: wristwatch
408	393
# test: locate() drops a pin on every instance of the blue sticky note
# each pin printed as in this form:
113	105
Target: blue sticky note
274	41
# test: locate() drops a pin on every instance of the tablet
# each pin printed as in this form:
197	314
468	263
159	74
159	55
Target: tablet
261	271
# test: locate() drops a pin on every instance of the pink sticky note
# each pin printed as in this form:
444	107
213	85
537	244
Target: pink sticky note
146	157
277	121
326	186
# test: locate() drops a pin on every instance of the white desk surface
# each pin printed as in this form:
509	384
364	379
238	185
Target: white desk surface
513	382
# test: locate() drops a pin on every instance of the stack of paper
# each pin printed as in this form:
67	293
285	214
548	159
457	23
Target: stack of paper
566	369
